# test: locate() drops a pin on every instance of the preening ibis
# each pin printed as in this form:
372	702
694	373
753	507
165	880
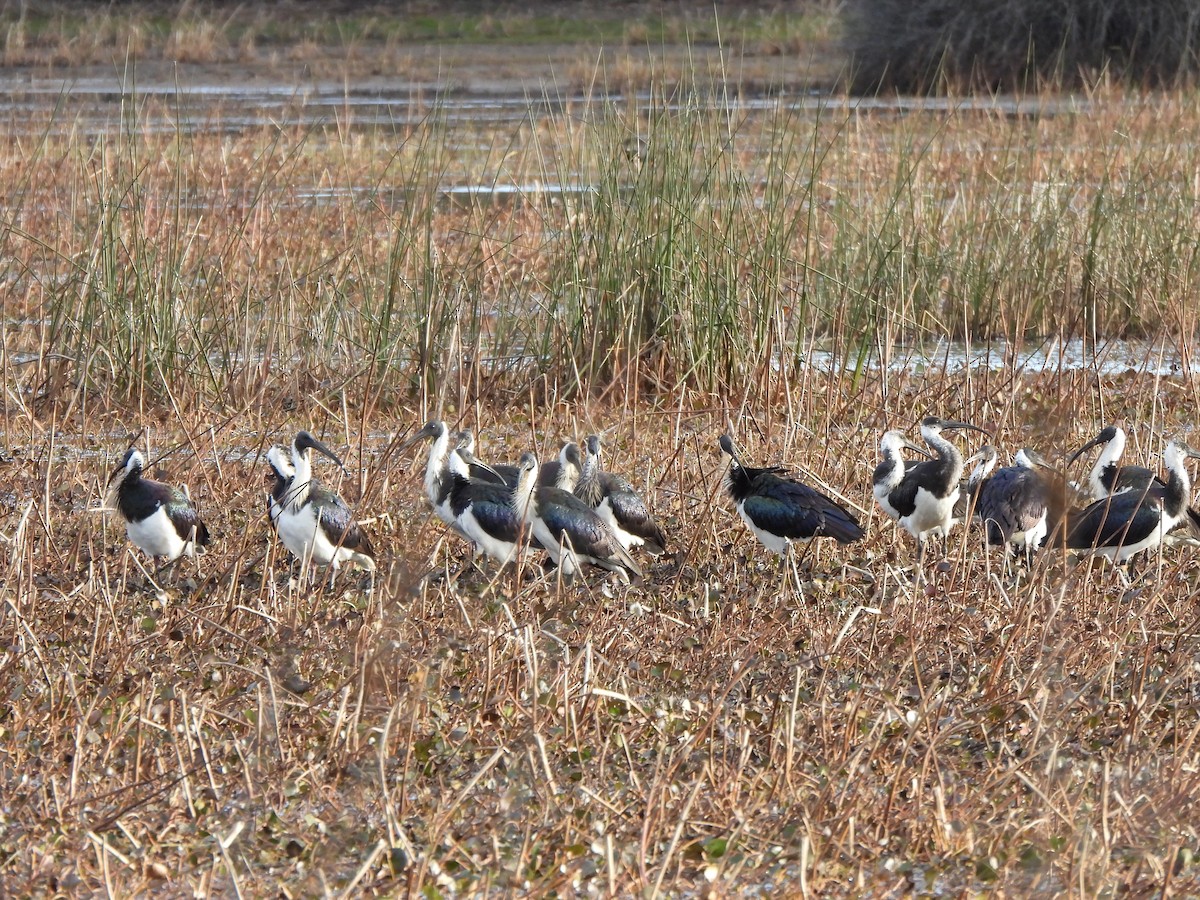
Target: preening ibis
160	519
570	530
618	504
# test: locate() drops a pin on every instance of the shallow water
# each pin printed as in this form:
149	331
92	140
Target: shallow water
1107	358
94	104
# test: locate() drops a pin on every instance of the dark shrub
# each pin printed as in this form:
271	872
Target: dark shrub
917	46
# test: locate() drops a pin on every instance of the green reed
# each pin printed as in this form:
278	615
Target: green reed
680	240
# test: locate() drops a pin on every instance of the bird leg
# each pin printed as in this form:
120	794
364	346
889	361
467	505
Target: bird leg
1123	571
809	547
169	570
165	568
195	548
791	559
1010	561
803	556
147	577
920	573
786	565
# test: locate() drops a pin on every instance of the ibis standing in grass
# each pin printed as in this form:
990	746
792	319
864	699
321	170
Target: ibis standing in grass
925	497
160	520
618	504
312	521
1124	524
437	469
892	468
439	478
1014	505
1108	476
782	511
483	510
570	530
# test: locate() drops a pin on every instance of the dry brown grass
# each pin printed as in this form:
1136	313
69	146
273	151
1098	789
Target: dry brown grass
356	40
251	262
710	731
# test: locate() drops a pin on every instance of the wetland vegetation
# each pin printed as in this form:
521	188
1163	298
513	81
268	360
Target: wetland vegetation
648	251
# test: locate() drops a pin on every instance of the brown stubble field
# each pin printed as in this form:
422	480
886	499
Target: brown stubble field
470	730
453	729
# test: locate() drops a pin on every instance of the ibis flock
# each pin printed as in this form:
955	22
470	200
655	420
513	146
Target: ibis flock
584	516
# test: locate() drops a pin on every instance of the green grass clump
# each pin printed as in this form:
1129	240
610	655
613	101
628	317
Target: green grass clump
598	247
674	241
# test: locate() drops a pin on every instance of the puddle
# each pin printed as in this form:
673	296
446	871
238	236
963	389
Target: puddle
93	105
1109	358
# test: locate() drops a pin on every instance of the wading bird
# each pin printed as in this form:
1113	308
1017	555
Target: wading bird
925	497
782	511
1014	505
160	520
1124	524
483	510
438	478
618	504
1108	476
312	521
892	468
570	530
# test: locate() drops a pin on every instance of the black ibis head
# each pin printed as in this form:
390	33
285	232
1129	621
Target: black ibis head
305	442
736	471
1107	435
894	441
570	467
932	426
527	467
131	463
1028	458
527	475
1177	452
570	455
987	455
467	455
726	444
984	460
433	429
